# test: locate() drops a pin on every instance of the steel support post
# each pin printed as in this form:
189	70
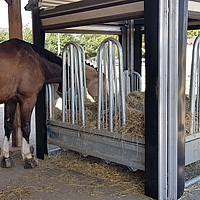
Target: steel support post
151	11
41	130
137	48
130	52
182	45
173	99
166	34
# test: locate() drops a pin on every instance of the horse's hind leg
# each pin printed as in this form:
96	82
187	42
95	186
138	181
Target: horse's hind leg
9	114
26	110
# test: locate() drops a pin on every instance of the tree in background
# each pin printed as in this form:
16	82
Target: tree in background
51	41
192	34
27	34
91	42
3	36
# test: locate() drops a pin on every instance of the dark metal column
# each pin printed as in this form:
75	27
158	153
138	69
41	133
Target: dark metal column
182	44
155	30
137	48
123	41
130	52
151	9
41	130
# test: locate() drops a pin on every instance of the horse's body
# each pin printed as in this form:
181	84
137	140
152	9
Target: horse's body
24	68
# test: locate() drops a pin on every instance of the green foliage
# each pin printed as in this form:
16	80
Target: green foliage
3	36
191	34
27	34
91	42
51	41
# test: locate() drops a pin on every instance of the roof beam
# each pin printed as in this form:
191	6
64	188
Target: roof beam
91	14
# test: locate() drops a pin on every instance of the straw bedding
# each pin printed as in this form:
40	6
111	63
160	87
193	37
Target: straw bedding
102	176
135	115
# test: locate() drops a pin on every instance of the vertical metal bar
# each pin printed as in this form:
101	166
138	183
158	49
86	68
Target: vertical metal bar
182	45
121	91
81	86
115	90
103	62
106	81
68	86
53	91
50	101
72	82
99	58
110	75
138	80
197	114
193	84
198	94
131	54
173	99
125	82
83	64
77	98
64	83
162	102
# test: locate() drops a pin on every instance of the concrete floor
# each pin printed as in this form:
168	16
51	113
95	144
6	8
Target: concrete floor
44	182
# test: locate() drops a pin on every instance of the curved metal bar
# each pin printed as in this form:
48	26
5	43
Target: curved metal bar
194	69
77	78
139	81
113	89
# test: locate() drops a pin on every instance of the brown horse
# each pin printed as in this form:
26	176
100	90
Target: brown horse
24	68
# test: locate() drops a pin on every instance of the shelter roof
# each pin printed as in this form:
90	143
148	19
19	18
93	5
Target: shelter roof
98	16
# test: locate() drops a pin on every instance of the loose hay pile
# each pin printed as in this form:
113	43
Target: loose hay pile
135	115
102	176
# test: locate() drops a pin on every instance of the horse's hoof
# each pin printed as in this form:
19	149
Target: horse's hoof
7	162
30	163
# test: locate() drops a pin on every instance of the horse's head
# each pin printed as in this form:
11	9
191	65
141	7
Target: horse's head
91	82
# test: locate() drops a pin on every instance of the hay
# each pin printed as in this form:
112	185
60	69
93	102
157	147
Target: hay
102	176
135	115
19	191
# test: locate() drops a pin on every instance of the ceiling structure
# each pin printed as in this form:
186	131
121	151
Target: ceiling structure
53	3
69	12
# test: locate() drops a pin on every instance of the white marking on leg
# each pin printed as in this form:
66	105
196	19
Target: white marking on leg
25	149
5	148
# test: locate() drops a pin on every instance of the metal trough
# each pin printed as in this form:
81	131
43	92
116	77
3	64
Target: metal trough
109	146
113	147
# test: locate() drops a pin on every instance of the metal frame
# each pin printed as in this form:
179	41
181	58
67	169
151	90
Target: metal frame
162	98
173	99
194	87
106	58
166	26
137	81
72	88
